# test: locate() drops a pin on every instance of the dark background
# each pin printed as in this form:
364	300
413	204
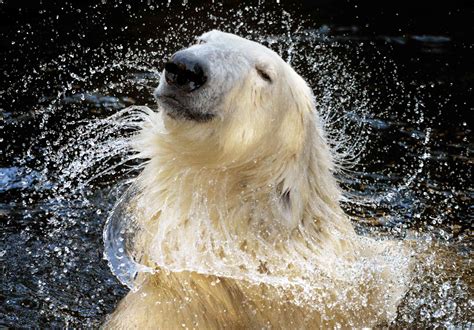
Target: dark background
41	28
34	32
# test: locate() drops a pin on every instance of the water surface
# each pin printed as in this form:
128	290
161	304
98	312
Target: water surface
394	85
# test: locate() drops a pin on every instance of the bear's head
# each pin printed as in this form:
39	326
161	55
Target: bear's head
235	96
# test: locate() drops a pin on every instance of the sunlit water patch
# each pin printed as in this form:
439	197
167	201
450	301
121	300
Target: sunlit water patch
68	161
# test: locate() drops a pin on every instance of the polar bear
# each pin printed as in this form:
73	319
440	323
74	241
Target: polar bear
237	208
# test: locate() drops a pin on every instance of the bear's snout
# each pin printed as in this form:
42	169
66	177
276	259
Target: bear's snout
185	71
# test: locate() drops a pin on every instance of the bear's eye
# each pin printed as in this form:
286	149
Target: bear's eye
200	41
264	75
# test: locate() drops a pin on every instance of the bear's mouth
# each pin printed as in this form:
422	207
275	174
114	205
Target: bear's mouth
176	110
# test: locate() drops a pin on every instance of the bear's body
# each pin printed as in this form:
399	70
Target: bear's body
238	209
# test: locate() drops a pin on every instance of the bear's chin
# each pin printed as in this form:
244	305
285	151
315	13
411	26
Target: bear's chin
177	111
200	118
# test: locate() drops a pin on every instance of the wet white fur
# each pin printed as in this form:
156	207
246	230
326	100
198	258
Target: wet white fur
241	216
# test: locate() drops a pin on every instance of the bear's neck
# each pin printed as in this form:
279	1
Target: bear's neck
236	220
201	210
280	191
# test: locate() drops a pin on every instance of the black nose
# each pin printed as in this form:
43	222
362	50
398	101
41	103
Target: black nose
185	71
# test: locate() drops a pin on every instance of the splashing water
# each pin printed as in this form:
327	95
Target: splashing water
75	161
